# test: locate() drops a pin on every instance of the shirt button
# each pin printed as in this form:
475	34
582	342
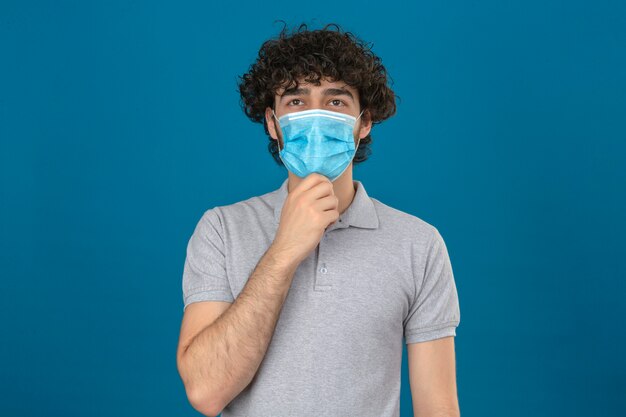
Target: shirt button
323	270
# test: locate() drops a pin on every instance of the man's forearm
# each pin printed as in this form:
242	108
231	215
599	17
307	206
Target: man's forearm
224	357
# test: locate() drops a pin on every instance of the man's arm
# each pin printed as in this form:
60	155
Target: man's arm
221	360
432	376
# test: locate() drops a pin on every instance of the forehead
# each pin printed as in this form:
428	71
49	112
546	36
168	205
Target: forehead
317	89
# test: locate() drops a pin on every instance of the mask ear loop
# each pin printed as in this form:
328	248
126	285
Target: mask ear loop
359	141
278	141
277	137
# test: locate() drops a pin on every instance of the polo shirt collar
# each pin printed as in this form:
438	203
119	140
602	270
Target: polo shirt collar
360	213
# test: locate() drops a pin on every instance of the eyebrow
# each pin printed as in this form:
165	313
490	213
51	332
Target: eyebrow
327	92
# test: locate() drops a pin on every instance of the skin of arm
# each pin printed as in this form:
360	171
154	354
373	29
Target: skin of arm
222	359
432	377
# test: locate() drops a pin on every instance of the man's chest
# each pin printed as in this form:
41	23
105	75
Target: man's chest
355	279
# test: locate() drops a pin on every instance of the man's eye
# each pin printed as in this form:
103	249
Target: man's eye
295	99
337	100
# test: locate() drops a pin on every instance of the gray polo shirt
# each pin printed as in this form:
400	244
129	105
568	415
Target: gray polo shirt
378	278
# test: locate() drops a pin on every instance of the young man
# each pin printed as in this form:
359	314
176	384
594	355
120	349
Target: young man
297	302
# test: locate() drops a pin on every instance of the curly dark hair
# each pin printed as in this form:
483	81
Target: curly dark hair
312	55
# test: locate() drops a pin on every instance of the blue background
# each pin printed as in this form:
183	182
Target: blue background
120	125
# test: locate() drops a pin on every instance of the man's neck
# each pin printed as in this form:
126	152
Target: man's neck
344	188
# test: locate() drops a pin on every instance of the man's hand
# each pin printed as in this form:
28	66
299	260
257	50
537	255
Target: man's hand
308	210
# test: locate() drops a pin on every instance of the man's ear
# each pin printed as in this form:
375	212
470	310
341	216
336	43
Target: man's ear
366	124
271	123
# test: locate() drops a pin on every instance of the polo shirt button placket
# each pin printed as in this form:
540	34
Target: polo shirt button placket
323	280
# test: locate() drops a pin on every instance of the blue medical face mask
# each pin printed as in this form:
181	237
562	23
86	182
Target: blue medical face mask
317	140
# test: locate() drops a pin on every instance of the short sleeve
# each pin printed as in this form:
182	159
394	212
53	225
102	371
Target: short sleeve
435	311
204	272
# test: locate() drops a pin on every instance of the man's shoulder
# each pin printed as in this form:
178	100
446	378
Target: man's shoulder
252	205
400	223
